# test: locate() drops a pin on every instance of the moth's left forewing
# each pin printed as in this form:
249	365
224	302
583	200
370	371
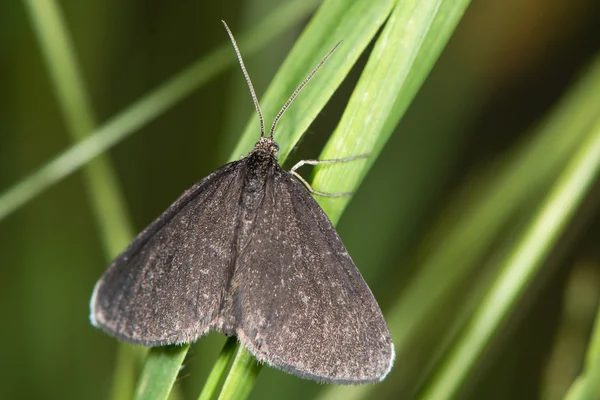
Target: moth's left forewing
167	286
304	306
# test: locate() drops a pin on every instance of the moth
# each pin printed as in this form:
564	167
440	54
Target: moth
247	251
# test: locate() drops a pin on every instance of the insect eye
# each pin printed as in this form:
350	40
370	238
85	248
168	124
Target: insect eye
275	146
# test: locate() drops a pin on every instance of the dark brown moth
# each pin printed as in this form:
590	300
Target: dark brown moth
248	252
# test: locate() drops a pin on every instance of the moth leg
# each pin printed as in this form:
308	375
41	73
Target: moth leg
317	162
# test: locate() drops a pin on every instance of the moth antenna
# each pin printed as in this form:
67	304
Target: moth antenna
304	82
248	81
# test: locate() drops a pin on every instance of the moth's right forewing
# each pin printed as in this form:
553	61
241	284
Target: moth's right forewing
167	286
304	308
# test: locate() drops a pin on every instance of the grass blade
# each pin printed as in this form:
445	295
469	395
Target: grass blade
407	49
104	193
241	376
520	266
160	371
409	45
219	371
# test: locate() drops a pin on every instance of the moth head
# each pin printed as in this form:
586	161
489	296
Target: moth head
268	145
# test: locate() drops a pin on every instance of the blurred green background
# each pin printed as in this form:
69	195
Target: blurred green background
492	95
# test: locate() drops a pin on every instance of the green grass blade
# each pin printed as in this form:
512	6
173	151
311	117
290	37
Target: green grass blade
152	105
587	384
407	49
410	43
241	376
520	266
160	371
592	358
356	23
104	193
219	371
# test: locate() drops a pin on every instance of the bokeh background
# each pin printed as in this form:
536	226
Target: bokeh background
507	67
